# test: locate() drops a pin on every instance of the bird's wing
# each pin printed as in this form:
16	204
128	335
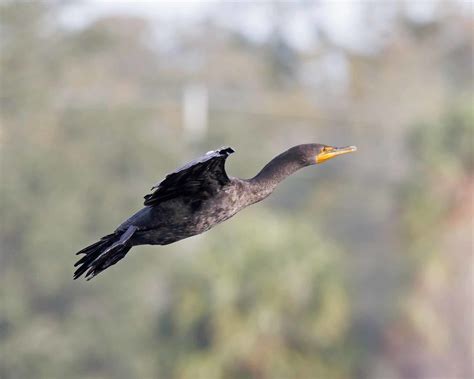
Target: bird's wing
199	178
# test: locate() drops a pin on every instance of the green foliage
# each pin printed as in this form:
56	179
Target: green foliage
267	304
446	145
442	152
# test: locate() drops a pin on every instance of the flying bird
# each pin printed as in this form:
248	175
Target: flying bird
195	198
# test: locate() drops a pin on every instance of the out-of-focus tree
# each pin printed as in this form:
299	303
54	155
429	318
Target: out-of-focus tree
433	335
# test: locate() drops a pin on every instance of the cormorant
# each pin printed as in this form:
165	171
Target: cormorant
195	198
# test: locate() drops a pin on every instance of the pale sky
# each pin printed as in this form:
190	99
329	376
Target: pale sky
342	20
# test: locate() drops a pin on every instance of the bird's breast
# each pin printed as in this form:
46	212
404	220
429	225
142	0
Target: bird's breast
218	209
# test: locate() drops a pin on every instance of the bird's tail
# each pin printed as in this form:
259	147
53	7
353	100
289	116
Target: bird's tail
104	253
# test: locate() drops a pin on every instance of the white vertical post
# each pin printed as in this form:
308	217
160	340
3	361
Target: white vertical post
195	109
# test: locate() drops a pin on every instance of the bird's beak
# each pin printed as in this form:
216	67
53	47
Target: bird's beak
329	152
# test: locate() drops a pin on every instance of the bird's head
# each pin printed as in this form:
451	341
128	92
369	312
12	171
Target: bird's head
317	153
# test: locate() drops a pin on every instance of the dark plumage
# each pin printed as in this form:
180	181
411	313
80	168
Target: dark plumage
195	198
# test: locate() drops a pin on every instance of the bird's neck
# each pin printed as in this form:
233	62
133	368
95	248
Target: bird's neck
274	172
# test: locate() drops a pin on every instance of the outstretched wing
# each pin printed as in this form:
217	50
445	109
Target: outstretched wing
198	179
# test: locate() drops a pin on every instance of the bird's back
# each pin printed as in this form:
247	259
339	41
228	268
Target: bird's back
183	217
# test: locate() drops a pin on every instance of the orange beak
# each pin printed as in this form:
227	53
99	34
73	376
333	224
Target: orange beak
329	152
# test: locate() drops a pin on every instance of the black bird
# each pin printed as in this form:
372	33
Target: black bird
195	198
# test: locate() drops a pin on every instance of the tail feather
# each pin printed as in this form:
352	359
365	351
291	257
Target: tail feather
102	254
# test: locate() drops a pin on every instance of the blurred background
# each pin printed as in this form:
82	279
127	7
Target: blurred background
358	268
